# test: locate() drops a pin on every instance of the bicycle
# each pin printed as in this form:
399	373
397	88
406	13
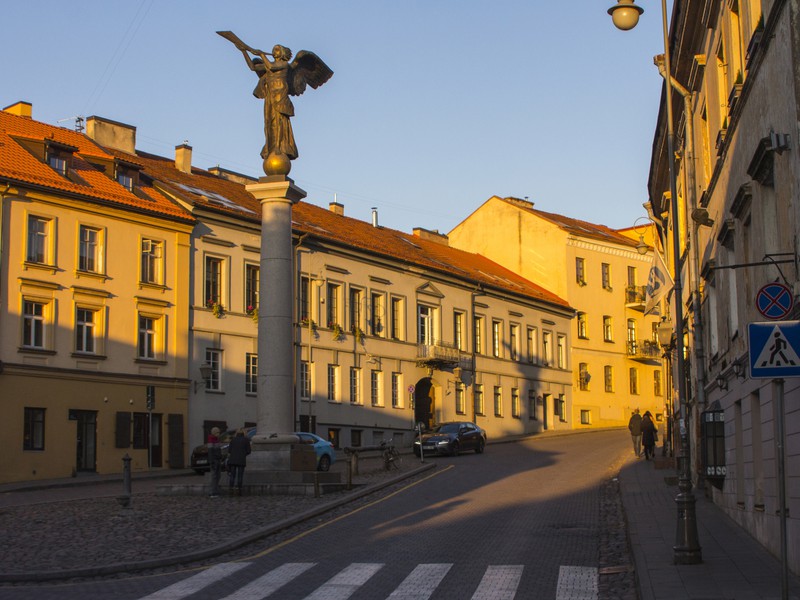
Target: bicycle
391	455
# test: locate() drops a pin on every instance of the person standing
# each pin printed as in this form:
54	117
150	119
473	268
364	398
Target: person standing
238	450
649	435
635	427
214	460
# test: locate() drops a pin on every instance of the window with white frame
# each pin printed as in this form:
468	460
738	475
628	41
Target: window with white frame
85	330
251	279
513	341
305	380
214	361
149	337
355	385
608	378
33	429
152	262
213	281
478	391
376	387
90	249
496	337
634	380
33	324
304	298
40	240
397	326
533	345
498	401
356	309
397	390
547	348
515	407
477	334
461	404
561	346
426	323
333	383
251	373
332	308
377	307
458	329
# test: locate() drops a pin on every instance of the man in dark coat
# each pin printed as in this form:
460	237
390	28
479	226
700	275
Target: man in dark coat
635	427
238	450
649	435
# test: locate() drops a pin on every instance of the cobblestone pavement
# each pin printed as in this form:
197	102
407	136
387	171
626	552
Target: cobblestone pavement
57	536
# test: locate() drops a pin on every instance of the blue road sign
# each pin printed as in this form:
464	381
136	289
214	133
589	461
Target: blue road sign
774	300
774	349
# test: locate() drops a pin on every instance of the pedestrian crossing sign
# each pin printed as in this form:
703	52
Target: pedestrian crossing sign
774	349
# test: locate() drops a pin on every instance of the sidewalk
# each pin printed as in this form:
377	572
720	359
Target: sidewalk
734	565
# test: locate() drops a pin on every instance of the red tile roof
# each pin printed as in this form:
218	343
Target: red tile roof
20	167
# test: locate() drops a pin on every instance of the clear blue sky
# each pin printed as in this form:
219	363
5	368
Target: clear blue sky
434	106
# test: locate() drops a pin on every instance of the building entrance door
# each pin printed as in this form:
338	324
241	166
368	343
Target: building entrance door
86	443
424	404
545	405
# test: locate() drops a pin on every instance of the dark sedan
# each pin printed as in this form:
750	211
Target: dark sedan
451	438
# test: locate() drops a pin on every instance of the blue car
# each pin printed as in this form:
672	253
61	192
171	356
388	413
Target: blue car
326	455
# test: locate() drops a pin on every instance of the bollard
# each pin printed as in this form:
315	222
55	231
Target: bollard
349	475
125	498
316	485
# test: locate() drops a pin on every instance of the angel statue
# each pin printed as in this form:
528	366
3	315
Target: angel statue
277	80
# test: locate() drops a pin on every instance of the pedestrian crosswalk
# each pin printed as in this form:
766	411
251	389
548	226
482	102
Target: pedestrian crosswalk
499	582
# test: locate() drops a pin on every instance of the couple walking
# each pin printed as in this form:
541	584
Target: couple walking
643	433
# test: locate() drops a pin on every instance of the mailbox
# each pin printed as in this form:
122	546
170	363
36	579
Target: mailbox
712	437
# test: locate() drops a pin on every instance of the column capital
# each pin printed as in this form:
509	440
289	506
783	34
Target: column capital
276	188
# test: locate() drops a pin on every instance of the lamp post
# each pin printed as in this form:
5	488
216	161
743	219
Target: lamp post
686	551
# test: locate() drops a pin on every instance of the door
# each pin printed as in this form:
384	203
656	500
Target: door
86	443
424	406
545	413
156	449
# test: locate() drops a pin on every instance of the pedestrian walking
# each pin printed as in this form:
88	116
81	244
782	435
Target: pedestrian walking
649	435
214	460
635	427
238	450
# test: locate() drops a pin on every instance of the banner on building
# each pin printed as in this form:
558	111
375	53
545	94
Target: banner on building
659	284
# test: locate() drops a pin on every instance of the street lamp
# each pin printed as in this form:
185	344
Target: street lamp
686	551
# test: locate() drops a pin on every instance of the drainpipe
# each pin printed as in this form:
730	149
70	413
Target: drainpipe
2	208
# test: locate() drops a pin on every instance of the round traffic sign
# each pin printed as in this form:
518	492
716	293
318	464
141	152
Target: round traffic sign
411	388
774	300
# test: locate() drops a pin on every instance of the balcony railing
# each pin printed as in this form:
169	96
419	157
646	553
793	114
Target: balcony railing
635	296
438	353
646	350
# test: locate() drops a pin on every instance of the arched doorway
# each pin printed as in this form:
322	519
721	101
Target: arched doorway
424	403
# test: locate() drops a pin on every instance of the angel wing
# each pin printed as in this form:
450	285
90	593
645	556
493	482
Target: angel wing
307	69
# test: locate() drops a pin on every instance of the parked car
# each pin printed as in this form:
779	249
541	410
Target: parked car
199	459
451	438
326	455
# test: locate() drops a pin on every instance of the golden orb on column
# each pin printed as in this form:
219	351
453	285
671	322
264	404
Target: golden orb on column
277	163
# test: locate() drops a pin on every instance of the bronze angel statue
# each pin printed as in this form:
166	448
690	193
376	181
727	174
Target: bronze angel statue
277	80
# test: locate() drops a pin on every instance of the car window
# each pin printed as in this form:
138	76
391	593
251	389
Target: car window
448	428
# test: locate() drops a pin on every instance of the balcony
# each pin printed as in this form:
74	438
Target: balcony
437	355
646	351
635	297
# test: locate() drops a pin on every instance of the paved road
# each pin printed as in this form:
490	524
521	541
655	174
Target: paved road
520	521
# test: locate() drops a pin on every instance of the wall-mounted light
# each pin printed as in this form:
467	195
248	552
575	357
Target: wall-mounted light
205	373
722	383
738	370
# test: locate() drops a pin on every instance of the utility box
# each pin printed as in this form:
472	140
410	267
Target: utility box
303	458
712	439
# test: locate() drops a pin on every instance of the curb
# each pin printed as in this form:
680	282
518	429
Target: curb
212	551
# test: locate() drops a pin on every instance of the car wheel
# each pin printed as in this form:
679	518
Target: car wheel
454	449
479	448
324	463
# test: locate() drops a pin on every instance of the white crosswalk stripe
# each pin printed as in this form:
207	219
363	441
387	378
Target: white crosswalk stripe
499	582
421	583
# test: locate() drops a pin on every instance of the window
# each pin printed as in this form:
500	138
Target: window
461	404
477	334
631	333
498	401
305	380
580	271
213	280
33	429
608	378
125	180
582	334
478	399
376	388
547	348
85	330
57	162
304	298
397	325
39	240
333	383
532	405
513	341
515	408
458	329
148	336
631	276
496	338
152	260
425	324
90	249
251	278
533	345
356	297
377	301
634	381
608	329
657	389
606	275
397	393
355	385
251	373
355	437
33	324
332	311
561	344
561	408
583	376
586	417
214	361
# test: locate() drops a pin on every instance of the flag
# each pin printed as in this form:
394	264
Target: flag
659	283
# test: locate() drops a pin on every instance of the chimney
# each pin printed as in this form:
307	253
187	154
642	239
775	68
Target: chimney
336	208
20	109
374	216
431	236
112	134
183	158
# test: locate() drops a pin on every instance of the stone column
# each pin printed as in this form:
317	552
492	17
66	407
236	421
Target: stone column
277	194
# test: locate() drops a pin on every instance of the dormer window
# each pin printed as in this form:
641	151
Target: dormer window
59	156
57	162
125	180
126	174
